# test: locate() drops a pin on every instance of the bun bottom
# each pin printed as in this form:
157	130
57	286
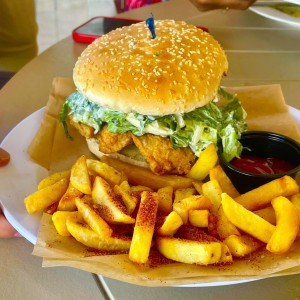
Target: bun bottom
132	157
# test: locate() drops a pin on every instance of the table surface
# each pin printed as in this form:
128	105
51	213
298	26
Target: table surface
259	50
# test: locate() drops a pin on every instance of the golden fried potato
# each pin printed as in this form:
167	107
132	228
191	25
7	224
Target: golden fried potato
287	226
80	177
262	196
67	201
198	217
188	251
246	220
212	190
59	219
144	228
165	199
206	161
129	199
170	225
93	218
86	236
49	180
41	199
111	207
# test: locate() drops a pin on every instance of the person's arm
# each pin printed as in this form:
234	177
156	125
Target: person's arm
205	5
6	230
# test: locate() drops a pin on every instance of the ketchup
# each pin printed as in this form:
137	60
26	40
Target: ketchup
260	165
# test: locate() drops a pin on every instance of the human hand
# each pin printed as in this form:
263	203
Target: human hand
205	5
6	230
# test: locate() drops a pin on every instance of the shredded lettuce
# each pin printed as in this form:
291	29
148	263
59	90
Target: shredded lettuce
221	125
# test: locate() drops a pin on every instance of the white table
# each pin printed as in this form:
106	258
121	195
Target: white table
260	51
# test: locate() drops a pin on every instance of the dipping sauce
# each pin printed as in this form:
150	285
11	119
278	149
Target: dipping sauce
260	165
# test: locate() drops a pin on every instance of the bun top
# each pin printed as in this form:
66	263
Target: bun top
127	70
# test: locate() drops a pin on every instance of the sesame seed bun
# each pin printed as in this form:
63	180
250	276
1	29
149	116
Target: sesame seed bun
127	70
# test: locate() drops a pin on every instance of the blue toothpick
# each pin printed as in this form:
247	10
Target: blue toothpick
151	26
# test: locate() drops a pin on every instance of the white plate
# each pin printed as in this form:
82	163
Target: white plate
274	14
21	176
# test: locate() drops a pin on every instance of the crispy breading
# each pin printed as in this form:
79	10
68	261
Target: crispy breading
162	157
85	130
112	142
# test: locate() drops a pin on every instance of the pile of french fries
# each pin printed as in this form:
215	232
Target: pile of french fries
198	219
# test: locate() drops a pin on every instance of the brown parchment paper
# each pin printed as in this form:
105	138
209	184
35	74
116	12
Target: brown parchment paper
266	110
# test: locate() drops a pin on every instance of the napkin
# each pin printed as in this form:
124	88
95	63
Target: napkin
50	148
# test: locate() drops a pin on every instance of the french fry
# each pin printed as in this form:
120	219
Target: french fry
198	186
59	219
188	251
92	218
41	199
206	161
217	173
193	233
183	206
80	178
141	176
144	228
295	199
224	227
260	197
171	224
287	226
140	188
111	175
184	193
51	179
246	220
267	213
111	206
242	245
198	217
165	199
212	190
67	201
86	236
128	198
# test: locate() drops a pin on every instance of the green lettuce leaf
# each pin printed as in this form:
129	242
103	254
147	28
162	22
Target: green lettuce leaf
221	125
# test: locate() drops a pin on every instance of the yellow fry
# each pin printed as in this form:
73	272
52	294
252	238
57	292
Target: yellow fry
246	220
262	196
59	219
212	190
287	226
80	177
188	251
67	201
206	161
144	228
41	199
92	218
170	225
51	179
165	199
86	236
198	217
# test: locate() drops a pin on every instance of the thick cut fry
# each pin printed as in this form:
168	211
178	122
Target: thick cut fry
246	220
144	228
92	218
206	161
183	206
41	199
111	175
262	196
287	226
198	186
110	204
242	245
212	190
267	213
140	188
225	228
51	179
188	251
193	233
59	219
171	224
165	199
80	177
295	199
128	198
184	193
67	201
141	176
224	181
86	236
198	217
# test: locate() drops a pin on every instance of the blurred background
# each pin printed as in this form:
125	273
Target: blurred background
55	21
